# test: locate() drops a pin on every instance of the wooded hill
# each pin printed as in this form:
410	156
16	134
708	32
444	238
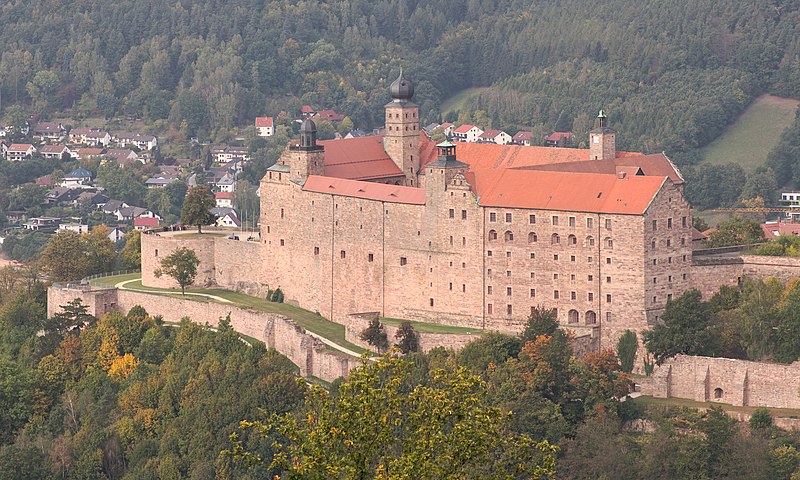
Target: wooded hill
671	75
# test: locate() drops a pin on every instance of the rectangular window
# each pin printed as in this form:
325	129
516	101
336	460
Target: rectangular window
669	223
508	291
590	278
463	287
463	214
342	254
608	279
669	259
281	213
489	272
532	219
489	290
533	292
489	253
654	280
571	221
589	222
655	225
316	250
572	277
669	279
555	294
533	255
608	224
508	273
403	261
590	296
431	302
573	295
608	260
492	217
489	309
555	219
508	218
572	258
608	298
451	286
555	276
371	257
589	259
669	297
508	254
509	309
555	256
282	243
683	222
533	276
451	213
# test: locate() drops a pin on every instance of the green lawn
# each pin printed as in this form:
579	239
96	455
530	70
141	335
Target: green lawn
423	327
459	101
310	321
748	141
204	234
111	281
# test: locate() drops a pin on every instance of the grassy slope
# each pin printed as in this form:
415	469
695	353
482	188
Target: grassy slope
458	101
748	141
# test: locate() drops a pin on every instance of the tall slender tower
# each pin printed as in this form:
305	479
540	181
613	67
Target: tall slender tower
401	138
602	141
308	158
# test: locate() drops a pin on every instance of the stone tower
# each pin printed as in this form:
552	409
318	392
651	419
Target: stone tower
602	143
401	138
307	158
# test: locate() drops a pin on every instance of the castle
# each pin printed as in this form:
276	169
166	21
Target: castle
464	234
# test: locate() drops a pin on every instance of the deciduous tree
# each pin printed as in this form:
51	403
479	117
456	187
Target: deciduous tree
197	207
181	265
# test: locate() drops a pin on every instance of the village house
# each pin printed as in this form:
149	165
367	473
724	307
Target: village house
229	154
123	156
54	151
265	126
522	138
558	139
495	136
226	217
42	223
74	227
160	181
77	178
145	223
142	142
87	153
18	152
93	137
226	184
224	199
329	115
307	111
49	132
467	133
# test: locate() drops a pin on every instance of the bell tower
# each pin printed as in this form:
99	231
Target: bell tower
602	141
307	158
401	138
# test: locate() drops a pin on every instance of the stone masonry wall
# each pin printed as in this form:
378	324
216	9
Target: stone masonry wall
356	323
725	380
312	356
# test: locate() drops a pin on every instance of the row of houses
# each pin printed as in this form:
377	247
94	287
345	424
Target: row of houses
18	152
265	126
474	134
50	132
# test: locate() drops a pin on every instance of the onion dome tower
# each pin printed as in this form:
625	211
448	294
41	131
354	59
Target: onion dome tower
401	138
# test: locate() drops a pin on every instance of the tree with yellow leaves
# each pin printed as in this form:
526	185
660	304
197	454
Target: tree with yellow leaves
122	367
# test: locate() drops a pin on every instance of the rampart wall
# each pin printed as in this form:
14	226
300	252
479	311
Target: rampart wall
312	356
725	380
356	323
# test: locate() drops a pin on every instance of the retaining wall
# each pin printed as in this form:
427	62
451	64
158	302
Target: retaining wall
312	356
356	323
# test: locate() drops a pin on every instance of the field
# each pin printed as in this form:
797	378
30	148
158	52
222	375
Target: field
458	101
748	141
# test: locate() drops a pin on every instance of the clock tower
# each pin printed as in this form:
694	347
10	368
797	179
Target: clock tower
602	142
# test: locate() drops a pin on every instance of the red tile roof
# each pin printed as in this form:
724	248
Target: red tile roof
263	121
358	159
367	190
774	229
19	147
557	136
491	134
445	125
330	115
52	148
464	128
575	192
522	136
307	109
223	195
91	151
145	222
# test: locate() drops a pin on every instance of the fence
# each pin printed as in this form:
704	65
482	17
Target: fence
86	280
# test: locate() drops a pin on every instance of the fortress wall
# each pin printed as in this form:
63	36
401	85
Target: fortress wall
708	276
238	265
156	247
761	266
276	331
740	382
356	323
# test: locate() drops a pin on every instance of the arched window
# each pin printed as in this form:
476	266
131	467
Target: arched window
572	240
492	235
609	243
555	239
509	236
591	318
718	393
590	241
572	316
532	238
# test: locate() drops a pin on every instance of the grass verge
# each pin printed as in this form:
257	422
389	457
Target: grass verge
423	327
682	402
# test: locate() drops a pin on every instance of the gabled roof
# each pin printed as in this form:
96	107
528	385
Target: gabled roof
223	196
145	222
121	153
575	192
358	159
464	128
557	136
491	134
522	136
264	122
368	190
445	125
89	151
136	137
52	148
48	127
307	109
19	147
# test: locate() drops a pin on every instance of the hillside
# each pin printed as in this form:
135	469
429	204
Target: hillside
754	134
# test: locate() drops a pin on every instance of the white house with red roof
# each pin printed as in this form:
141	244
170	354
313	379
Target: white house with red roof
329	115
142	142
522	138
49	131
446	128
18	152
307	111
558	139
467	133
224	199
144	223
265	126
94	137
495	136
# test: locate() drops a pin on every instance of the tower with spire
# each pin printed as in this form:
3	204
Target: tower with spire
602	141
401	138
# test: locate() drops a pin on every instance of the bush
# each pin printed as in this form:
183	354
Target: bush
761	419
276	296
375	335
407	340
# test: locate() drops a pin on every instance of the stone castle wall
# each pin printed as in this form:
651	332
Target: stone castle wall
356	323
312	356
725	380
